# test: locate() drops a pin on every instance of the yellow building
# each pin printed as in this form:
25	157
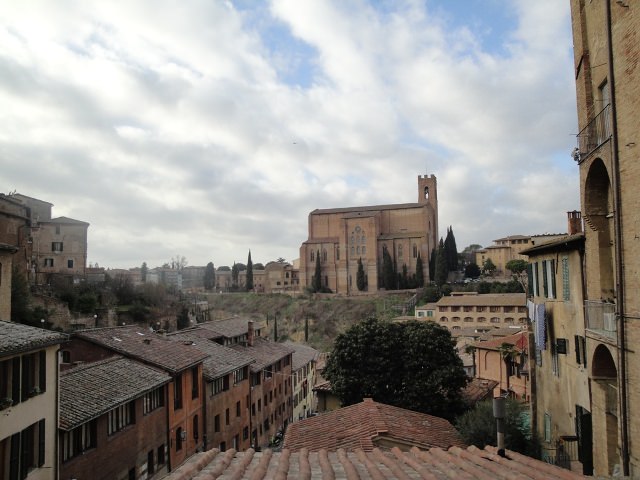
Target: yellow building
340	237
606	57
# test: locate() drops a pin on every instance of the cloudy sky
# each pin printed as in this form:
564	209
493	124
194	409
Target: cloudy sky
208	128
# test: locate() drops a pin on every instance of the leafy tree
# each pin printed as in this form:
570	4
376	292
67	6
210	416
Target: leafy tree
249	273
431	294
235	274
472	271
143	271
316	282
123	289
178	262
224	268
87	302
20	311
518	269
209	277
360	283
442	271
419	272
281	260
478	427
411	365
258	266
488	267
403	278
183	318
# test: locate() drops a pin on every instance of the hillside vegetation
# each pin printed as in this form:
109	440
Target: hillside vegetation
327	317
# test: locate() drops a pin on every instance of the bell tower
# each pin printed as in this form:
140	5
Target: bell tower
428	196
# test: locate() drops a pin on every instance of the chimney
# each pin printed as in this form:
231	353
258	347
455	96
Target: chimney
250	334
574	222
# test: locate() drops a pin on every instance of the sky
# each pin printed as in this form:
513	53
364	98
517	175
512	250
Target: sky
209	128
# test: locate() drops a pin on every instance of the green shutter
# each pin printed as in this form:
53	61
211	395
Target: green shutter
41	443
553	278
530	278
545	282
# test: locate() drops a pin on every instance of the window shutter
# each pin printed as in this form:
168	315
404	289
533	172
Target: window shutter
578	349
41	443
545	282
15	378
26	374
552	272
42	371
530	278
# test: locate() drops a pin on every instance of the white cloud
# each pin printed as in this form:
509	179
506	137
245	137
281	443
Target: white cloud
180	128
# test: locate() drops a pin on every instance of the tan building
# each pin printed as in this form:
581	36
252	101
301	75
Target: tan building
28	401
561	406
303	368
6	264
606	53
471	309
342	236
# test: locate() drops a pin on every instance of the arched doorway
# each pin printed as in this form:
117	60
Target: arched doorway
604	375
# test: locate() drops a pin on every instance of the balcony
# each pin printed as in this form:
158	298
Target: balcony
601	318
594	134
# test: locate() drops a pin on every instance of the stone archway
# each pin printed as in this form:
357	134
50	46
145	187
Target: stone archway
605	399
598	215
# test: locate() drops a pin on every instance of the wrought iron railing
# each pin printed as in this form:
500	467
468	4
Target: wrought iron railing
601	318
564	453
594	134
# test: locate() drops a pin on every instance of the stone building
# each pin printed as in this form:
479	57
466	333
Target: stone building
606	58
342	236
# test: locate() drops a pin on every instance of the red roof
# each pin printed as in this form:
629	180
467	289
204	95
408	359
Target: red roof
519	340
364	424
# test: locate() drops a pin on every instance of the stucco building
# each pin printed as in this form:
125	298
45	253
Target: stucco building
342	236
303	370
606	57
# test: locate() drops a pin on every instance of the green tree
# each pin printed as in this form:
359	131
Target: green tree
20	311
478	427
488	267
518	269
419	272
360	282
143	271
472	271
388	272
235	275
411	365
451	250
442	271
316	281
249	273
209	277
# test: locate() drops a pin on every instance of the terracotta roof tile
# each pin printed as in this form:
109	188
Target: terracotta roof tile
17	338
478	389
352	211
302	354
518	340
220	360
363	424
230	327
90	390
133	341
264	352
432	464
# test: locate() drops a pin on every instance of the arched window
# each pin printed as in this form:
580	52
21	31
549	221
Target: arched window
324	254
444	319
495	320
363	239
338	252
455	319
353	250
313	256
358	250
353	239
364	250
415	251
399	251
426	193
469	319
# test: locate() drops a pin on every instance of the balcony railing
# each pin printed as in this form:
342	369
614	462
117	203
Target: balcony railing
594	134
601	318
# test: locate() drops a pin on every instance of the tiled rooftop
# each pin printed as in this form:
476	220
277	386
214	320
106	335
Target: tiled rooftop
486	299
265	352
352	211
364	424
17	338
140	343
433	464
302	354
519	341
90	390
478	389
230	327
220	361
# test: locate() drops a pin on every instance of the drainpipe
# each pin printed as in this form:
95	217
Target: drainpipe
619	260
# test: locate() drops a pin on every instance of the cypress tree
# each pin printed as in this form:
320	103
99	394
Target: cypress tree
316	283
360	283
249	273
441	265
419	272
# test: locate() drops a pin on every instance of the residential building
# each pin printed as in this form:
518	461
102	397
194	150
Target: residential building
181	360
227	398
561	405
436	464
51	249
304	377
229	331
368	425
606	52
508	248
326	400
6	266
113	420
426	311
469	309
340	237
28	401
271	386
506	361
